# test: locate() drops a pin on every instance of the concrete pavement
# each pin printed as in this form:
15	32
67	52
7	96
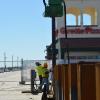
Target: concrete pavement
10	89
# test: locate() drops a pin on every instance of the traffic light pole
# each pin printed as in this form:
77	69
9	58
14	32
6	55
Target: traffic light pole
53	9
53	53
53	43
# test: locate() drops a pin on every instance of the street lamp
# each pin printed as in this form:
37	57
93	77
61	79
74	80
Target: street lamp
53	9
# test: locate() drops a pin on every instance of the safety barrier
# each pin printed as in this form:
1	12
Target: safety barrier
77	81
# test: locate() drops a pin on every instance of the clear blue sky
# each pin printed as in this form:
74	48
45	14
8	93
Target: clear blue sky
24	32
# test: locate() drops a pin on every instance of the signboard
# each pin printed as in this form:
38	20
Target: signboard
87	31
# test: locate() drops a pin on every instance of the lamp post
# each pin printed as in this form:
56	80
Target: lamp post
53	9
53	43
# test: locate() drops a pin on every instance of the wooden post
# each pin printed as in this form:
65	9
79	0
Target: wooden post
88	81
97	81
74	94
67	81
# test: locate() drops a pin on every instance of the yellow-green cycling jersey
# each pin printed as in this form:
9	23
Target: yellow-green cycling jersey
45	73
39	70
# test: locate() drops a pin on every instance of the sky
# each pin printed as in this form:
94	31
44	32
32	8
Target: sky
24	31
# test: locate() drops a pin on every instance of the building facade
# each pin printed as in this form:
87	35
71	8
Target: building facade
82	36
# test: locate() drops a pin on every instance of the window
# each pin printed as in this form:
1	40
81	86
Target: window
86	19
70	19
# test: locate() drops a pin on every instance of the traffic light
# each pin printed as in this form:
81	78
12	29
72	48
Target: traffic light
54	8
49	52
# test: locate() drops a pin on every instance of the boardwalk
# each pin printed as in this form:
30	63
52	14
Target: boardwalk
10	89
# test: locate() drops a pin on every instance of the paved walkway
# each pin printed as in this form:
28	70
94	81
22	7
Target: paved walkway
10	89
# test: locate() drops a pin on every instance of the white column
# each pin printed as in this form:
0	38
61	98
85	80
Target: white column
81	18
77	20
81	11
98	17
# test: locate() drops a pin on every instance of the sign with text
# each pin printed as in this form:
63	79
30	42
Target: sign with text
81	31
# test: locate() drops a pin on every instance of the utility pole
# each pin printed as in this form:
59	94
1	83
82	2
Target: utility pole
17	61
5	61
12	62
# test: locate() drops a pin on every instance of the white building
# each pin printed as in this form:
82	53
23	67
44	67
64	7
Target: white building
83	35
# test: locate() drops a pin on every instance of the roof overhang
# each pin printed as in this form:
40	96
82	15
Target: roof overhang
80	44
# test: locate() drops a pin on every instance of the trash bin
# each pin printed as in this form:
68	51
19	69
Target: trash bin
33	76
